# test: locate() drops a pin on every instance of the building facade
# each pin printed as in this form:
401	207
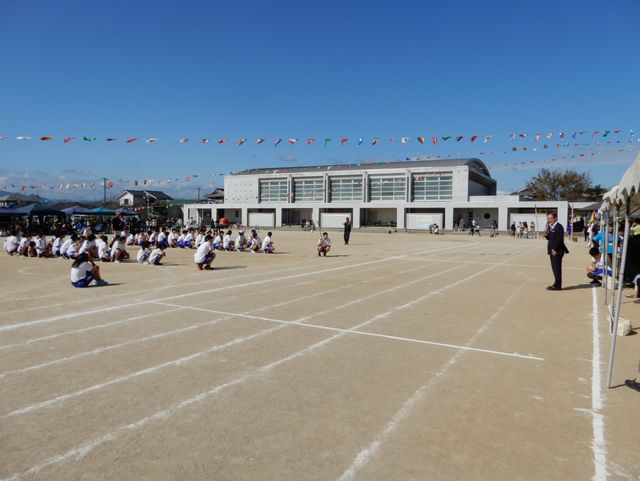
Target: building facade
404	195
141	198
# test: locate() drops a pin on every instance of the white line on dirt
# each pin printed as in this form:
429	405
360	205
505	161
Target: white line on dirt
599	443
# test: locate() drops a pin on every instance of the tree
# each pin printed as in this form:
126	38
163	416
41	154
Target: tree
595	193
568	185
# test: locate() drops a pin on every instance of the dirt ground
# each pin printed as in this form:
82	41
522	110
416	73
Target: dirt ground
399	357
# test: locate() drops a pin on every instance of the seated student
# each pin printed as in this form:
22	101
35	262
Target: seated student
156	255
217	241
11	244
143	253
74	247
23	247
130	239
172	238
43	248
31	249
200	238
57	244
255	243
180	241
161	240
119	250
595	267
324	244
204	255
153	237
84	272
188	240
267	245
104	254
89	246
227	243
241	242
64	248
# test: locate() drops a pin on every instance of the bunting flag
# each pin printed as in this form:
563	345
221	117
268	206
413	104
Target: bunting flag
89	139
391	139
46	139
239	142
2	138
204	141
595	132
68	139
184	140
487	138
360	140
421	140
374	141
550	135
606	133
131	139
344	140
310	140
445	138
260	140
277	142
222	141
537	137
109	139
404	140
459	138
22	137
473	138
327	141
151	140
512	137
434	140
292	141
522	136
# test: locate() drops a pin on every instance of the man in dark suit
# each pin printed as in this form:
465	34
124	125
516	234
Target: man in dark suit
555	248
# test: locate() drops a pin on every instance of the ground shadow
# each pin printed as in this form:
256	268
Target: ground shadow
228	268
338	255
579	286
109	285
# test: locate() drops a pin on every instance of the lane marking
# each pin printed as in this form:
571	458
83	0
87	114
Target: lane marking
599	442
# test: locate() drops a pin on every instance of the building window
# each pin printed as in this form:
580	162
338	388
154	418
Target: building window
345	189
273	190
432	186
387	188
308	190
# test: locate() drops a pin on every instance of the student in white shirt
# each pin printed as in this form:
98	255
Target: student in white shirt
89	246
143	253
241	242
217	242
84	272
267	245
227	243
119	250
57	245
172	238
187	242
324	245
11	244
156	255
162	238
130	240
204	255
43	249
72	251
64	248
104	254
23	246
255	243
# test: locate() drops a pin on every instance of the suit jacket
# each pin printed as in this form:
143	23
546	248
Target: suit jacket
555	240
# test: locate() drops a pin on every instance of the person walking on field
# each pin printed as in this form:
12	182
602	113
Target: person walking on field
556	249
347	231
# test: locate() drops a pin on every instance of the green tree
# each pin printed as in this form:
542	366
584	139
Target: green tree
568	185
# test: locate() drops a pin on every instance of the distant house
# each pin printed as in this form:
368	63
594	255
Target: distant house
215	197
140	198
16	200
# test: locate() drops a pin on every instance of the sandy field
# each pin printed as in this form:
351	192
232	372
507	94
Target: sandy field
401	357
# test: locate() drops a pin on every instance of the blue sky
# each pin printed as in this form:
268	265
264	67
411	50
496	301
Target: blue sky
303	69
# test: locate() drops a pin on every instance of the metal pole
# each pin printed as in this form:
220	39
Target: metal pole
616	316
614	256
605	263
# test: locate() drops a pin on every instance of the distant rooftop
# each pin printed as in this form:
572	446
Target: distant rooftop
475	165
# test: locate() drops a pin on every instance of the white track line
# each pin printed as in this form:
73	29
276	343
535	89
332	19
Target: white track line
186	359
81	451
21	325
367	454
599	443
361	333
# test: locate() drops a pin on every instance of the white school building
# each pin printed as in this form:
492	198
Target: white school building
405	195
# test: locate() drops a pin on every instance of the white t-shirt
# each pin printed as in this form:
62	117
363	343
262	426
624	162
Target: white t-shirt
202	252
239	240
24	241
80	272
181	238
65	246
153	236
143	254
226	240
171	237
57	243
266	243
188	237
324	242
41	245
217	240
155	254
161	236
86	245
73	249
11	244
117	245
103	249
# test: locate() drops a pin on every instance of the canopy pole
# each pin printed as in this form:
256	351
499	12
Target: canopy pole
605	264
616	316
614	256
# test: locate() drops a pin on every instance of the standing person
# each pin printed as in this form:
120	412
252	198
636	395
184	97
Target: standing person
556	249
347	231
324	244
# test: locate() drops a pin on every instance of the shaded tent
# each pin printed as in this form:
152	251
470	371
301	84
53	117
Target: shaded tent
9	211
35	210
77	210
102	211
126	212
620	202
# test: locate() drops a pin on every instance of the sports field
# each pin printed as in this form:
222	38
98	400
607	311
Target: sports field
399	357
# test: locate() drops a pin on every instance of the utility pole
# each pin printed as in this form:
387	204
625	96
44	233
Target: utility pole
104	198
198	194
